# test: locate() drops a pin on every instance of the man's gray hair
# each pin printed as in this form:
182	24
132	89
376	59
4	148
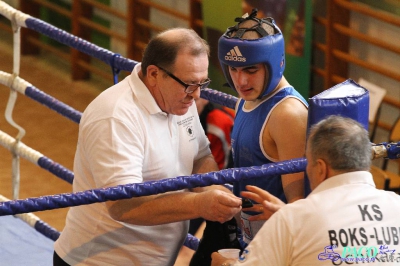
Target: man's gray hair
341	142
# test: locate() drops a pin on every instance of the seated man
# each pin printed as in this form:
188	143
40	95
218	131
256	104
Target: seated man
344	220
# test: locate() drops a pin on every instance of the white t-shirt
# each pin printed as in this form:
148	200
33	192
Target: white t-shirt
344	218
124	137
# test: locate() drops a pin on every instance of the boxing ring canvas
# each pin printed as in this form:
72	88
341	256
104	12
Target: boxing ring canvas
20	245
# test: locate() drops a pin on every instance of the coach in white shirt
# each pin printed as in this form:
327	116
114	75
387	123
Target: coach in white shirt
345	220
145	128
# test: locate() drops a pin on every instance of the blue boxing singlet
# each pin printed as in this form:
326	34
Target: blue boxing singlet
247	150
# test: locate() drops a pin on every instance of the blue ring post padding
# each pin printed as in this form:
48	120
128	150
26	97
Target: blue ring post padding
149	188
79	44
53	104
46	230
56	169
219	97
347	99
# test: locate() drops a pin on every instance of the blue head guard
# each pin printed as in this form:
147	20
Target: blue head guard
269	49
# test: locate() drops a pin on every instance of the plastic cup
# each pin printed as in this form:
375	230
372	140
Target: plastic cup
230	253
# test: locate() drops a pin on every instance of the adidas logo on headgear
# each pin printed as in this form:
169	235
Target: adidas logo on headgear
235	55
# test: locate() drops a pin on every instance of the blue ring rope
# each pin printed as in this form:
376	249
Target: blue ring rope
149	188
47	230
54	104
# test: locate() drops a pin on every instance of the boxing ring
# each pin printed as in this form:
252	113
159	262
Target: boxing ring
42	249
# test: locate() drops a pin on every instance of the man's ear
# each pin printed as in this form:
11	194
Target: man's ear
321	171
152	73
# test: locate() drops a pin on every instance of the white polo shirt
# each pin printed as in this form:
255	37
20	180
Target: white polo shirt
124	137
345	217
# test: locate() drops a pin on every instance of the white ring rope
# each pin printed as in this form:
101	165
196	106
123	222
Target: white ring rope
8	114
17	45
16	177
21	149
16	174
15	83
10	12
11	103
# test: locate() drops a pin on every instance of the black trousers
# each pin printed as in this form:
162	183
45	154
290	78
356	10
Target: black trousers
57	261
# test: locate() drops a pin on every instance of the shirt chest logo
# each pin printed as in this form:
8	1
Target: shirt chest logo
189	131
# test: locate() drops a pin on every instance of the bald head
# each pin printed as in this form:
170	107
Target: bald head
164	47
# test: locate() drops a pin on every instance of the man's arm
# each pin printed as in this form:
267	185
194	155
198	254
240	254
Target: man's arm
214	203
205	165
287	127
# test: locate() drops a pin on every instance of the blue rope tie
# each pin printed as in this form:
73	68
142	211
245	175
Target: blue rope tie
115	70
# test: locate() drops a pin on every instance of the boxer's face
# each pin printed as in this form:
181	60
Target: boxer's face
189	69
249	81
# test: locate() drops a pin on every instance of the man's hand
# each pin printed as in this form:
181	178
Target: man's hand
217	259
267	203
217	205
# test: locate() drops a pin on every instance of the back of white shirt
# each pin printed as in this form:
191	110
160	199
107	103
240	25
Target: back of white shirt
346	220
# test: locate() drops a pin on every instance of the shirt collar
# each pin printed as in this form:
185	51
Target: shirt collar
142	93
357	177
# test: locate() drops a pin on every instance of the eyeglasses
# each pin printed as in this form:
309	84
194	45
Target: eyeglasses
189	88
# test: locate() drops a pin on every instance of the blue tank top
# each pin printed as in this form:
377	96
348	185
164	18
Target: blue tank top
246	141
